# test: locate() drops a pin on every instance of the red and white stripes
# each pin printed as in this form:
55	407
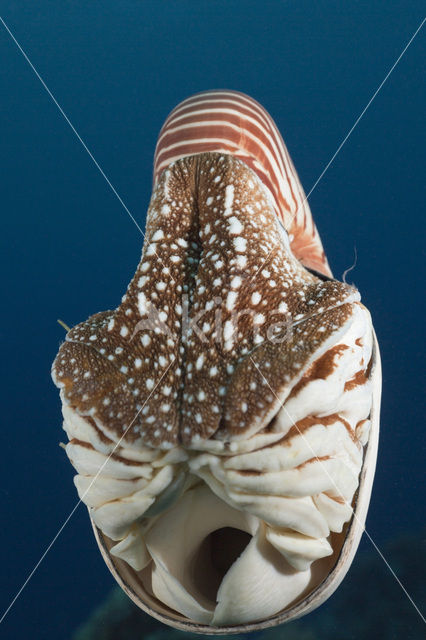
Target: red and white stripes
233	123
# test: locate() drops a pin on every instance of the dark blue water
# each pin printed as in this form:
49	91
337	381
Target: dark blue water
68	247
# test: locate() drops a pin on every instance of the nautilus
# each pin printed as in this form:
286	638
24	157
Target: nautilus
223	420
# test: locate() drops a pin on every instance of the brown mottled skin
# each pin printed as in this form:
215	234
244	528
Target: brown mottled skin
209	230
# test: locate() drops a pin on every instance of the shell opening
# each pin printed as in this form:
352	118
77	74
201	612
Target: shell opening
215	556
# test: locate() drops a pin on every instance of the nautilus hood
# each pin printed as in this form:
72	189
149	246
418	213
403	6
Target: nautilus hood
216	299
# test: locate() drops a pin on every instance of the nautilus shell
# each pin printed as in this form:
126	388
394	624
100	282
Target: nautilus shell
223	420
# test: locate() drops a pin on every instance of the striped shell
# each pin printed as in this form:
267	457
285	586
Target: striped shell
231	122
223	419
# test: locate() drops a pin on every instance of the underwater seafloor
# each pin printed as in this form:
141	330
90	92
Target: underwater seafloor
367	605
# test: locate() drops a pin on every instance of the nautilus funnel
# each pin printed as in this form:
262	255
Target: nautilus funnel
223	420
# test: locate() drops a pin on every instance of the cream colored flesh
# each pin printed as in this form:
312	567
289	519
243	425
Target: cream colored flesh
289	520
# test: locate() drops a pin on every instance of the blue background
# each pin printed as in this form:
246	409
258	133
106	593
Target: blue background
68	248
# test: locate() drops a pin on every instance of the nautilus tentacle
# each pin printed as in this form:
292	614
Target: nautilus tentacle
223	418
233	123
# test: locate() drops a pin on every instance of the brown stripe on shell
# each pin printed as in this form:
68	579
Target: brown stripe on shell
311	461
320	369
306	423
358	379
298	467
101	435
131	462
